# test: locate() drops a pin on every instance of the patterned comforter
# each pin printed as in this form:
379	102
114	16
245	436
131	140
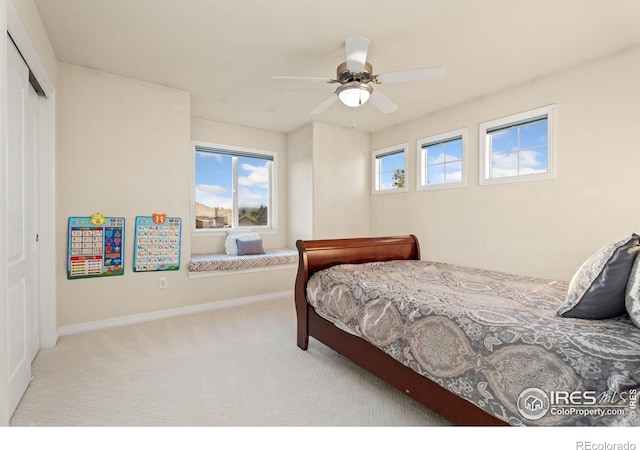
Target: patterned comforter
491	338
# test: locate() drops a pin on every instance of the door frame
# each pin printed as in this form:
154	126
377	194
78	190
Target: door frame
10	23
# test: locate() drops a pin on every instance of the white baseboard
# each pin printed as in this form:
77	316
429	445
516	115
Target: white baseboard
156	315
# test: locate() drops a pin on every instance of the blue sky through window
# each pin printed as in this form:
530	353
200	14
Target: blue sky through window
214	179
214	182
444	162
520	149
253	182
388	164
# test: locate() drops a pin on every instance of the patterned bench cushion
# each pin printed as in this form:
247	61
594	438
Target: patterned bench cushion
222	261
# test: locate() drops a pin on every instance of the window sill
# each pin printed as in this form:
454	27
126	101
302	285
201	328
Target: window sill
223	231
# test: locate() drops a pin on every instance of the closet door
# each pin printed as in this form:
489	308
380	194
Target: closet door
21	244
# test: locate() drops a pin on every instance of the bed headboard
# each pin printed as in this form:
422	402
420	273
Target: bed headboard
316	255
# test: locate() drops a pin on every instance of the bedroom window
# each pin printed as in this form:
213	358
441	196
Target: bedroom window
233	188
442	161
517	148
389	169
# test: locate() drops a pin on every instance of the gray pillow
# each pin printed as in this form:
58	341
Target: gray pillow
597	290
632	300
252	247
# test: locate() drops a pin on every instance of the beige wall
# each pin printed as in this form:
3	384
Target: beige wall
124	149
300	183
541	228
328	182
341	182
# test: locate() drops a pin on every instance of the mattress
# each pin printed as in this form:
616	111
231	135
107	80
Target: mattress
491	338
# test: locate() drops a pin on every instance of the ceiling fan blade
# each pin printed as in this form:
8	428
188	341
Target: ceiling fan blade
307	79
324	104
430	73
357	48
382	102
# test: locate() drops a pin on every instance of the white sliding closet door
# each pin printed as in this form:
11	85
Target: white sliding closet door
21	319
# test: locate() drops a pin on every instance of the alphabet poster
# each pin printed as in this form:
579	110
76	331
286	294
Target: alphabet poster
95	246
157	243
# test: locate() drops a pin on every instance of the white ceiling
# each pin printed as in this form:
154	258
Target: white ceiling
225	52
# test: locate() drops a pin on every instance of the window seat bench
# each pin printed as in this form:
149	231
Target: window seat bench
222	264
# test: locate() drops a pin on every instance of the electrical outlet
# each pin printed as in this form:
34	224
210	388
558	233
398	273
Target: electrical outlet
163	282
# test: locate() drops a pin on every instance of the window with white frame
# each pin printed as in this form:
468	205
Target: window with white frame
518	147
442	161
389	169
233	188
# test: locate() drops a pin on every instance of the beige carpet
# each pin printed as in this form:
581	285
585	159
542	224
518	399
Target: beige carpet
231	367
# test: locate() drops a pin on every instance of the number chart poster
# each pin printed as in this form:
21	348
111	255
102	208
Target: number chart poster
96	246
157	243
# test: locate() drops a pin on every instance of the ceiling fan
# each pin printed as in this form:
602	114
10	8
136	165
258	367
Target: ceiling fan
356	77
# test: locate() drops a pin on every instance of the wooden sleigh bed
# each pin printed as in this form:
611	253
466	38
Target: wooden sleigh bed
434	392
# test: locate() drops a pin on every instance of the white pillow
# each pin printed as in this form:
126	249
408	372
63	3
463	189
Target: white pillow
230	246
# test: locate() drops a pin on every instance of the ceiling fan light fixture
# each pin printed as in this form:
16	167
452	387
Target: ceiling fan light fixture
354	93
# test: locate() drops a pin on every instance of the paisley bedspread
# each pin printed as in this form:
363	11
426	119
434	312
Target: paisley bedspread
488	337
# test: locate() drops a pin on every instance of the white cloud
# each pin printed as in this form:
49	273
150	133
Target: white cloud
251	197
454	176
257	176
529	162
438	159
506	164
210	195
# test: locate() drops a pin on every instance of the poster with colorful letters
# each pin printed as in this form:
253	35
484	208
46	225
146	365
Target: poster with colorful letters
157	243
95	246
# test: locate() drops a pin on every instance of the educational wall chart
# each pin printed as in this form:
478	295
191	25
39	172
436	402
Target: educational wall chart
95	246
157	243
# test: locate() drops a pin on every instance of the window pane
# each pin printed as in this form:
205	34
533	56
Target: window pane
391	162
454	150
253	192
391	171
385	180
533	161
392	180
436	154
214	194
453	172
444	162
533	134
435	174
505	164
504	140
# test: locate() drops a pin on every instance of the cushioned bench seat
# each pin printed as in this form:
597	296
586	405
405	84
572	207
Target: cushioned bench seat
221	262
